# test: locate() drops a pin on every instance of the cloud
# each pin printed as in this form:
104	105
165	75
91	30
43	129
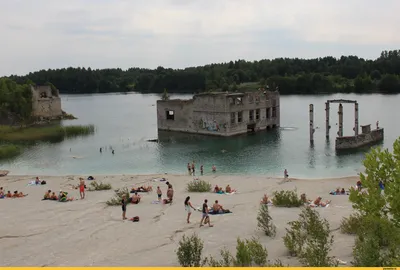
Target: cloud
45	34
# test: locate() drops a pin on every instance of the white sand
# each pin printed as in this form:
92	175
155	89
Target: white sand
89	233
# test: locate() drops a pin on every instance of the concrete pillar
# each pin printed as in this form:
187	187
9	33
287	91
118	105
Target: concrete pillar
327	109
356	119
311	123
340	133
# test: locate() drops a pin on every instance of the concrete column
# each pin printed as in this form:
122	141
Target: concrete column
340	133
311	123
356	119
327	109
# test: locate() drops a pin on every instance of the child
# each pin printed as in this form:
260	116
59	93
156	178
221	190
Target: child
159	193
124	202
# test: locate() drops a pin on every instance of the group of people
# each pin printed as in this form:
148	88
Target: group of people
313	203
16	194
206	211
227	190
62	196
191	167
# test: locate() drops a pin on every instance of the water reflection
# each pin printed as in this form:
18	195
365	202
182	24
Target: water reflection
311	156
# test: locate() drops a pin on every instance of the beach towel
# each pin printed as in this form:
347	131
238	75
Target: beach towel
159	180
33	183
313	205
334	193
211	212
232	193
156	202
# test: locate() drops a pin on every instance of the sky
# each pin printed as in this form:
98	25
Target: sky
43	34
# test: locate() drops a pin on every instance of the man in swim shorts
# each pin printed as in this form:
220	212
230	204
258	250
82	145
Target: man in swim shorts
205	217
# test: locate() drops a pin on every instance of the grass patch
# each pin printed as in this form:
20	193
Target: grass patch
9	151
351	225
94	186
116	200
286	198
199	186
29	134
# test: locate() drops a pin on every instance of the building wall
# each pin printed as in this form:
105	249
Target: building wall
48	106
210	113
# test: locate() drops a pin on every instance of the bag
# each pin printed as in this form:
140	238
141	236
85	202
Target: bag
135	219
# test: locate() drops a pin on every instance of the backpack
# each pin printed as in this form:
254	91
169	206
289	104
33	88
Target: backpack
135	219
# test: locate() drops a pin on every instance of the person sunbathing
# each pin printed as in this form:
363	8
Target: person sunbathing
47	195
63	197
19	194
136	198
343	191
266	200
304	199
53	196
37	181
217	208
319	202
1	192
228	189
142	189
216	189
9	195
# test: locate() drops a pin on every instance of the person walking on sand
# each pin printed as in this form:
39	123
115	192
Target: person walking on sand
189	169
82	188
285	174
159	193
188	208
124	202
205	217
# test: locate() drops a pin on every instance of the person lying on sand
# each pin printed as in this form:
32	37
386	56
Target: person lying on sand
142	189
136	198
63	197
19	194
265	200
8	195
319	202
217	208
228	189
218	190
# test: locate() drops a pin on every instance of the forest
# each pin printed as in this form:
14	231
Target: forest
347	74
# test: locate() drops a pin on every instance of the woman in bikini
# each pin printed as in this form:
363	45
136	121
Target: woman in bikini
82	188
188	208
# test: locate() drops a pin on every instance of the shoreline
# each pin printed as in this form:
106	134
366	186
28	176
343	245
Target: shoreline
33	230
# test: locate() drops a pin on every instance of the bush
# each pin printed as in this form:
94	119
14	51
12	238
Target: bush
286	198
265	221
199	186
189	251
377	243
351	224
94	186
310	239
116	200
9	151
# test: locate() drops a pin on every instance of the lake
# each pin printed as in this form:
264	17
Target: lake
125	121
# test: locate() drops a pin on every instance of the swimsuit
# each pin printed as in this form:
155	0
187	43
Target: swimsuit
82	187
159	195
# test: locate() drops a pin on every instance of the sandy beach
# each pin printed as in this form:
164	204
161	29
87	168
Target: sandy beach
90	233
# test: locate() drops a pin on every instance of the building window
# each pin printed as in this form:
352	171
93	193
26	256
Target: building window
233	118
251	115
258	114
170	115
273	112
240	117
268	113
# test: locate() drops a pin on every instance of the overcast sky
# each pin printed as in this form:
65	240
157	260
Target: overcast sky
42	34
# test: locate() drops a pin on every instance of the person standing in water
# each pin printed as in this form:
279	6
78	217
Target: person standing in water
285	174
124	202
189	169
214	169
201	170
82	188
188	208
159	193
101	149
193	169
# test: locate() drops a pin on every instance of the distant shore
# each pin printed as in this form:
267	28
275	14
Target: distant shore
89	233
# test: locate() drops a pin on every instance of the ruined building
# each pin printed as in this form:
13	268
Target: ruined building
222	114
46	102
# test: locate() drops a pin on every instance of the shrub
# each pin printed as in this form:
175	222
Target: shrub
310	239
199	186
286	198
9	151
377	243
116	200
265	221
189	251
94	186
351	224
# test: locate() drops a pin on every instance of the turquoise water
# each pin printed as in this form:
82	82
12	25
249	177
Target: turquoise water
125	122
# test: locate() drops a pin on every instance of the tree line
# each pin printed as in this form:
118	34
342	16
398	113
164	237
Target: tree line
347	74
15	101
